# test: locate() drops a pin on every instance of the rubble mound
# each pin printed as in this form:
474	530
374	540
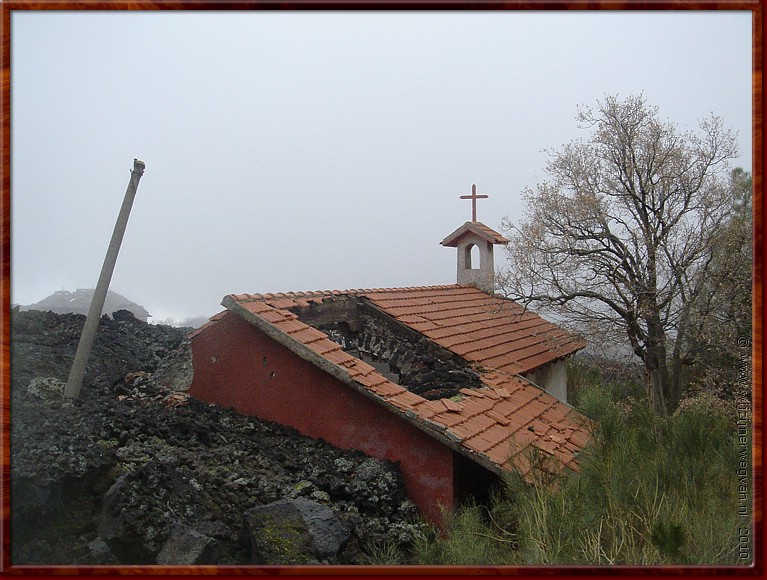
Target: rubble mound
134	471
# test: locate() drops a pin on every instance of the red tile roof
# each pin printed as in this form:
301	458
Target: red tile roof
495	425
481	328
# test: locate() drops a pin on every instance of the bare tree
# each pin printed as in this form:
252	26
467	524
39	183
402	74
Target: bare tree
618	241
720	321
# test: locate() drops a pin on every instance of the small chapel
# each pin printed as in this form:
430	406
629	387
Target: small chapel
453	382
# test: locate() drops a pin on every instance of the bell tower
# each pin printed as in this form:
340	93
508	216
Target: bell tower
470	235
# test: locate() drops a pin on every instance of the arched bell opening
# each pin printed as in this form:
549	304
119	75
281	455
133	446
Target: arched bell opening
472	258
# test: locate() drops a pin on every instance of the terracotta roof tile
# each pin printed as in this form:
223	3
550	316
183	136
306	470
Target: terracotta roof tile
475	405
556	438
546	445
521	397
521	440
323	346
497	417
497	238
505	407
405	399
283	303
256	307
453	406
218	316
486	325
540	428
508	366
489	393
500	453
211	322
428	409
521	463
291	326
388	389
424	327
523	416
339	357
413	319
566	429
536	407
490	437
495	355
273	315
472	426
371	380
555	413
308	334
449	419
579	438
358	367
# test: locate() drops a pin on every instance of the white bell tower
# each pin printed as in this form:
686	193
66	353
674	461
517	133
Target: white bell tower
475	234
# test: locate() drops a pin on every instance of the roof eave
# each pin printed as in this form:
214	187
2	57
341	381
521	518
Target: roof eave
580	345
476	228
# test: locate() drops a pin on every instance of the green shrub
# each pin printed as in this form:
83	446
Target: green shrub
652	490
475	538
383	555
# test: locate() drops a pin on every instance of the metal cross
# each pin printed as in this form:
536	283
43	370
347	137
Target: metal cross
474	197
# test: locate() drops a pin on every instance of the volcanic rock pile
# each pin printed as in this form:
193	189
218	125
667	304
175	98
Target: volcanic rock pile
136	472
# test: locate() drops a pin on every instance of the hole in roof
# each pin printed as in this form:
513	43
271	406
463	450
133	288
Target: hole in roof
398	353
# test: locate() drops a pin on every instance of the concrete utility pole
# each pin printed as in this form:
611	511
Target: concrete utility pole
76	374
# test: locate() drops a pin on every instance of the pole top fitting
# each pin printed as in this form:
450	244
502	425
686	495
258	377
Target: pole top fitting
138	166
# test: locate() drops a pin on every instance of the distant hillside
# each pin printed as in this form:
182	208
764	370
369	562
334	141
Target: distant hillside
79	301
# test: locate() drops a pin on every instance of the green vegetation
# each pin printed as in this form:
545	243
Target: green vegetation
652	490
283	542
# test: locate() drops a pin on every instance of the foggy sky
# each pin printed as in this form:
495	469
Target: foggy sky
291	151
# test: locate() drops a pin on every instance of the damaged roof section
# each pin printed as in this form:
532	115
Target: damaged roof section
484	339
397	352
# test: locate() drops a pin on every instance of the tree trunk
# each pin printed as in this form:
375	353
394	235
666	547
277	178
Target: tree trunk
655	390
676	375
657	377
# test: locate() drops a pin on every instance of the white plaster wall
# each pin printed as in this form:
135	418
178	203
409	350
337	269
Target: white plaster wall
481	275
553	378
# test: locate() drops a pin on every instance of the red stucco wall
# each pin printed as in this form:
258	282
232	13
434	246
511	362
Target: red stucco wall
237	366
